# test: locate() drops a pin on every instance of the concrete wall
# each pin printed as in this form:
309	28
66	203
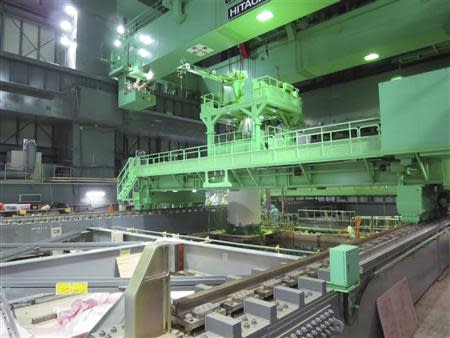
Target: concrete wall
74	195
97	21
93	151
356	99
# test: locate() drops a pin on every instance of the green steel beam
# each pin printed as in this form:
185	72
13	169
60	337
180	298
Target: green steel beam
386	27
150	50
172	40
364	190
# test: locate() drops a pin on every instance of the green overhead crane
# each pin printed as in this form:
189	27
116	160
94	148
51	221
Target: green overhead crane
405	151
150	46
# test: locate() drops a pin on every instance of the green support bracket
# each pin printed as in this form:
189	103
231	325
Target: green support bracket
423	168
252	177
369	169
236	177
307	173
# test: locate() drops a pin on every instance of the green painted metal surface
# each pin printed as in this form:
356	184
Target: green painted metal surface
364	190
133	96
342	42
416	113
336	44
154	44
266	155
175	32
416	203
344	268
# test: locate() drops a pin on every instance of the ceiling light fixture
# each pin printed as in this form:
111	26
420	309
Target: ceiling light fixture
95	194
145	39
371	56
70	10
149	76
143	53
120	29
264	16
66	26
65	41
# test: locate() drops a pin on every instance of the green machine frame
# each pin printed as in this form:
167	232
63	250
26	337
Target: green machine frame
406	152
403	151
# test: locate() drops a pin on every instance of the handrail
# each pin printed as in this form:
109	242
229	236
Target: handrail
371	120
288	138
238	135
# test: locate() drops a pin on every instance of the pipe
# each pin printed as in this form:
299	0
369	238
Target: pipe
29	149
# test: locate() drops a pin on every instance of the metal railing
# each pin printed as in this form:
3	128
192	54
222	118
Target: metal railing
329	215
20	173
377	223
153	12
268	81
274	139
321	134
45	173
232	136
62	171
125	175
211	100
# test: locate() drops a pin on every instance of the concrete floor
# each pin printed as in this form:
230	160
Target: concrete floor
433	311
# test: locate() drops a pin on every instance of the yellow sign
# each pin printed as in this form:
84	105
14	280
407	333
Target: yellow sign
63	288
80	288
22	212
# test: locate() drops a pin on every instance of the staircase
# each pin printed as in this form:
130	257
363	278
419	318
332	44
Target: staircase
126	181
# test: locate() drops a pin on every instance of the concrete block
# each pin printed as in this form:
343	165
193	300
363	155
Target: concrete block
312	284
261	308
324	274
289	295
223	325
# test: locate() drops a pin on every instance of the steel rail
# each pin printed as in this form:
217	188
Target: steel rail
184	304
68	245
218	241
11	254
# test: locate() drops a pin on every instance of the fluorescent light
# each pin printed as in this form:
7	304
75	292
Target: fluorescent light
371	56
65	41
66	26
149	75
95	194
264	16
70	10
145	39
194	190
174	190
121	29
117	43
143	53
